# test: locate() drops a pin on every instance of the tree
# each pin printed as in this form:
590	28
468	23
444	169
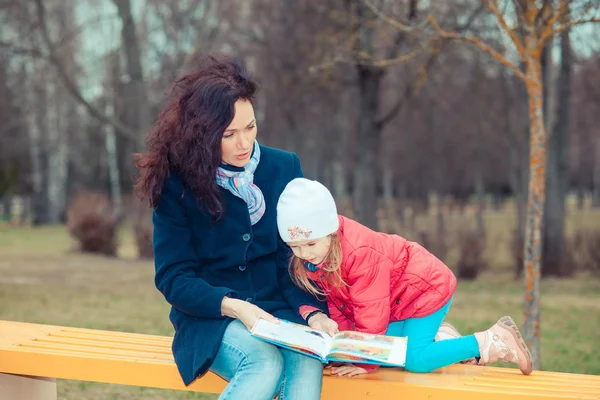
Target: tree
370	123
554	257
534	25
375	43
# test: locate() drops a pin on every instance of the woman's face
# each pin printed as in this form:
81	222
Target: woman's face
238	139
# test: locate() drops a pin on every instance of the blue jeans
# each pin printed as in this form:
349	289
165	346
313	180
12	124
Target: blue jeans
423	353
259	370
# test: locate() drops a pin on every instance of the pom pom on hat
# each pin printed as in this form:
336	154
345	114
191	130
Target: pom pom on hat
306	210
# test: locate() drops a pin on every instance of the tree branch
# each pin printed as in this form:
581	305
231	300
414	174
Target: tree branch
491	5
391	61
544	13
478	43
394	22
548	27
401	35
562	27
70	85
15	49
409	89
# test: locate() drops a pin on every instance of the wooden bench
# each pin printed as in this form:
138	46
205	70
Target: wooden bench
32	356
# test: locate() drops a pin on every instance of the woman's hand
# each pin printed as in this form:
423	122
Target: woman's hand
322	322
246	312
348	370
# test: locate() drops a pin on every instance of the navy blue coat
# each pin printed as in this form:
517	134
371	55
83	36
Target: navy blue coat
199	261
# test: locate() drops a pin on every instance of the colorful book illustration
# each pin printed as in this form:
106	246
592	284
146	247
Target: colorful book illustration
345	346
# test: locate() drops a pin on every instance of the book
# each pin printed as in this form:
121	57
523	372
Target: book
345	346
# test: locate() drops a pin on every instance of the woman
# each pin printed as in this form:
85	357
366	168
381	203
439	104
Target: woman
219	260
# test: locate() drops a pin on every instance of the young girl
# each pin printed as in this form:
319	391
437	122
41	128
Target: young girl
382	284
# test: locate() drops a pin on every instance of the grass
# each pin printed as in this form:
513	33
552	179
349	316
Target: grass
42	280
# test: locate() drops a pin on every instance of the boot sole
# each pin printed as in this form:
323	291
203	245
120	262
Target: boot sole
510	324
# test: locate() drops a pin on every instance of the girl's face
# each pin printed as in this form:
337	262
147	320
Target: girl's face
238	139
314	251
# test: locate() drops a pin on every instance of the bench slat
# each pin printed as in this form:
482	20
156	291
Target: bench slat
146	339
129	345
95	350
146	360
108	334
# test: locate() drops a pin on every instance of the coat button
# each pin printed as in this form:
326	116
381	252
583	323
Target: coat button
249	299
242	267
397	301
246	237
342	306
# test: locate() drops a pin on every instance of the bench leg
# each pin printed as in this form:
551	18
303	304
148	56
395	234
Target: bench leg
24	387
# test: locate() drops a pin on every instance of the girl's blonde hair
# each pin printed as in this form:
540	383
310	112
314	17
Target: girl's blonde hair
331	268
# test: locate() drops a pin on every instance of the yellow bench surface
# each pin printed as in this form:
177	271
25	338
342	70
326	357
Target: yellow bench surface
146	360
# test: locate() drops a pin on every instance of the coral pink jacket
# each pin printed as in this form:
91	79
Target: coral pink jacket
387	279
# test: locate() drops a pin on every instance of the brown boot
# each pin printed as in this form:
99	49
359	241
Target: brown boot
448	331
503	342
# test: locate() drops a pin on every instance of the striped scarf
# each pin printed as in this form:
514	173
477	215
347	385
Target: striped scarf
241	184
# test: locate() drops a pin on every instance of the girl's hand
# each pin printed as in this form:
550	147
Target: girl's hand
348	370
322	322
246	312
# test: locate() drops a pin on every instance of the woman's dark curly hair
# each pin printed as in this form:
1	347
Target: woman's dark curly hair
187	135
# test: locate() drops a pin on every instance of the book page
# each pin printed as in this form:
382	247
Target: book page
294	336
367	348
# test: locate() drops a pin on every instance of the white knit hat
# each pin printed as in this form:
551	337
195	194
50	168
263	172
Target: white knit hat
306	210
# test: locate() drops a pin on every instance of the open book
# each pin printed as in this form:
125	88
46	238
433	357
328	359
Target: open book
346	346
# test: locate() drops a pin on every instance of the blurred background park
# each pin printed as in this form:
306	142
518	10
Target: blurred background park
469	126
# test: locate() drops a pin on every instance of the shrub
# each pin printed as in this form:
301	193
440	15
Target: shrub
141	216
470	262
584	249
435	244
92	224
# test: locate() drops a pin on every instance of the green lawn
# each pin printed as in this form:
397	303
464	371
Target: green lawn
42	280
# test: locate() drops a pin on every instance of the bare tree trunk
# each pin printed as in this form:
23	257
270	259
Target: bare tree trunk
58	154
338	177
311	156
440	187
368	143
535	201
579	182
480	194
580	198
557	172
113	164
388	184
519	175
596	174
6	207
548	79
370	124
401	204
391	219
137	111
35	113
339	148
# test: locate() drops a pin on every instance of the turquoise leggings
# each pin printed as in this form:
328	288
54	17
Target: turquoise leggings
425	355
